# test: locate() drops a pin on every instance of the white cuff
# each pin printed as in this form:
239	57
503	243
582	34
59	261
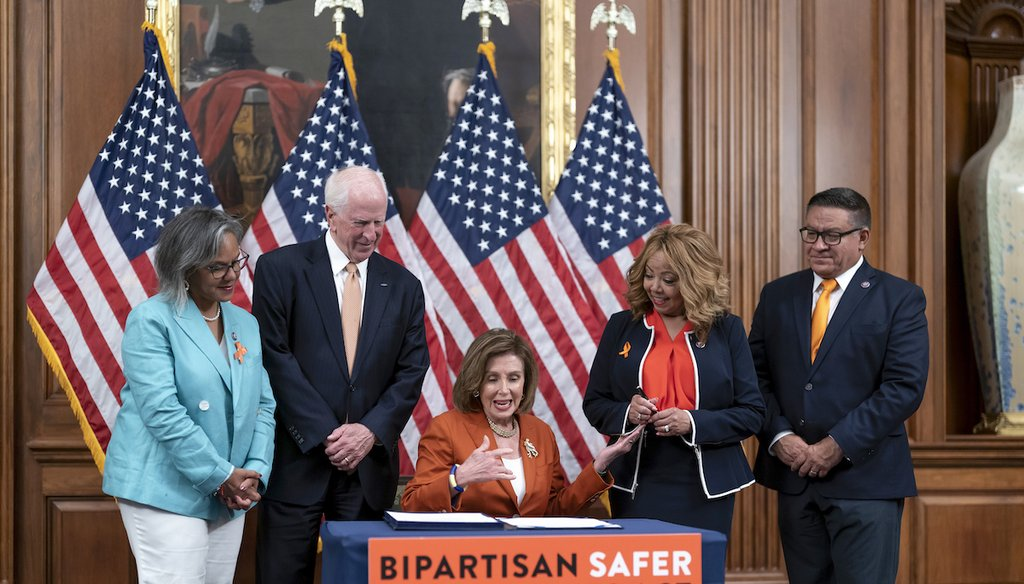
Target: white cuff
692	441
779	436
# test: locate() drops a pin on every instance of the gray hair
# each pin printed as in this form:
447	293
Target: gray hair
188	242
341	183
466	75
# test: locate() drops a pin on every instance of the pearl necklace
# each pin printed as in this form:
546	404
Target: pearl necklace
210	318
503	433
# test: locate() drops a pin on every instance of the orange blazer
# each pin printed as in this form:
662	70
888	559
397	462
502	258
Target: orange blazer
454	435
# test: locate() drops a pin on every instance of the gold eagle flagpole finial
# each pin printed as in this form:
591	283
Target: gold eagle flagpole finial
486	8
339	7
613	15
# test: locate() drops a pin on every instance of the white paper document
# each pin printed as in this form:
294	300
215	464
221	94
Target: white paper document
439	519
557	523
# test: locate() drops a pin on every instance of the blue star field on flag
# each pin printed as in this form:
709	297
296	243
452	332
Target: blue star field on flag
149	169
334	138
482	186
608	189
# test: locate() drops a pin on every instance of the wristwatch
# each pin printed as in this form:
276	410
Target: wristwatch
451	480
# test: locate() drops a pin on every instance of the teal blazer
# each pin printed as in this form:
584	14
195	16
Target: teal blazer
188	414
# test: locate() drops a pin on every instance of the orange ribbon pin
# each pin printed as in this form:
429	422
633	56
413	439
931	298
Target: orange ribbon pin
625	350
240	351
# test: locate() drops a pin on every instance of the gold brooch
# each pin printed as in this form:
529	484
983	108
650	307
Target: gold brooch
625	350
240	352
531	450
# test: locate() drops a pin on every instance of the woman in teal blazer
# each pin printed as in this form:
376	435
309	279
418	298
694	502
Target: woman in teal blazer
194	438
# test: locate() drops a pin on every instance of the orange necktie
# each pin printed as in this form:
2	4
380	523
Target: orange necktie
351	313
819	320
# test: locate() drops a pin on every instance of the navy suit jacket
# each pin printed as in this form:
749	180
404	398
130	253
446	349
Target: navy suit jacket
729	406
296	303
868	378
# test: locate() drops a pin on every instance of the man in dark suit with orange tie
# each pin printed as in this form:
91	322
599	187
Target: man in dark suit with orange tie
841	352
344	344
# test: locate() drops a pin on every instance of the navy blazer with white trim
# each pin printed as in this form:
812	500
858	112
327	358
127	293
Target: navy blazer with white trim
729	406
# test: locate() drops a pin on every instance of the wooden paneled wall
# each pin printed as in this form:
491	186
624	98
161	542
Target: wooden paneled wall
730	176
8	290
749	107
72	65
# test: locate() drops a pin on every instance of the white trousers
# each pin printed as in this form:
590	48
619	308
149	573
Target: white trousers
175	549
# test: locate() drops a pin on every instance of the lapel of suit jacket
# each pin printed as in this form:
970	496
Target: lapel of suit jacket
848	303
192	324
629	374
802	313
531	470
325	294
231	336
378	291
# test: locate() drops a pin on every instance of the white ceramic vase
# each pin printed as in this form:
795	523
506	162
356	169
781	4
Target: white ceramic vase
992	233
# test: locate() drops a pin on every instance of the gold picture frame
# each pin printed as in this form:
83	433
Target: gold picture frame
557	78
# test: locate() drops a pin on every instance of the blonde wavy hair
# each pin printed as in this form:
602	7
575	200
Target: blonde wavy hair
694	258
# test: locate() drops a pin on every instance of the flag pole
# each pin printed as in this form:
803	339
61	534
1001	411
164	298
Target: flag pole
340	42
612	15
486	8
150	24
339	7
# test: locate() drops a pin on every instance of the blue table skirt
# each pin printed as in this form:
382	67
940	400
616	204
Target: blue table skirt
345	554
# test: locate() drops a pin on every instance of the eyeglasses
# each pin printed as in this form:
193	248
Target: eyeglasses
218	271
829	237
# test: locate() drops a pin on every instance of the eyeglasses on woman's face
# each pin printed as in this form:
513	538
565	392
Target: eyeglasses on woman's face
218	271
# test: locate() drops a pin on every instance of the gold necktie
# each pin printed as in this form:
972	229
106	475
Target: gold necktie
819	320
351	313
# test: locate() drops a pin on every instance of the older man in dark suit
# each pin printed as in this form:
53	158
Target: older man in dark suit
841	352
343	341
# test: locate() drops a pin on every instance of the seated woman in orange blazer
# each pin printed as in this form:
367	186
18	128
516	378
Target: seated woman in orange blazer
458	471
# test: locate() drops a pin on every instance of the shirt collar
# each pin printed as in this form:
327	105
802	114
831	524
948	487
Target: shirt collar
843	280
339	260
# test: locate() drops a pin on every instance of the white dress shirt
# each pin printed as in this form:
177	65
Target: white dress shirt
338	262
515	466
842	283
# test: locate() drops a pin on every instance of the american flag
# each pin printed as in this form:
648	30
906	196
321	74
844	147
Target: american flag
334	138
101	263
608	198
491	259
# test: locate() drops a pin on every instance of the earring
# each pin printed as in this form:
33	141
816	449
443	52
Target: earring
476	394
186	286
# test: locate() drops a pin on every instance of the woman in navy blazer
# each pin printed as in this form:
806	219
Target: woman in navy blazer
192	446
678	362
